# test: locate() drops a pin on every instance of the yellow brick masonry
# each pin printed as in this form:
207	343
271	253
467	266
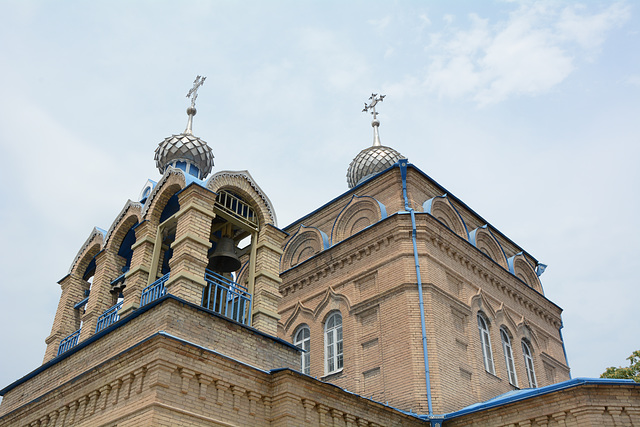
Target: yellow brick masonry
179	319
266	296
372	276
587	405
165	382
67	319
191	244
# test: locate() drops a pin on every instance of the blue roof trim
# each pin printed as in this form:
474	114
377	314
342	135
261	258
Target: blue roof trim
383	211
463	204
352	190
472	239
339	243
519	395
426	207
126	320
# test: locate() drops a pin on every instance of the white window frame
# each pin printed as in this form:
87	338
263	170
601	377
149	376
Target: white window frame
302	339
508	356
485	343
333	360
528	363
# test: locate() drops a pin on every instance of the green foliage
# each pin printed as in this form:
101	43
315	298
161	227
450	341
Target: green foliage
631	372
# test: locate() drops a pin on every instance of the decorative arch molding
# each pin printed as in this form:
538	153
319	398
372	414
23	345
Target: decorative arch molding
330	296
242	183
479	302
520	267
93	245
359	213
526	332
503	318
130	210
484	240
299	311
442	209
173	180
305	243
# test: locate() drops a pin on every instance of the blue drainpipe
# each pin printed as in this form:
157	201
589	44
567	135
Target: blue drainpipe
403	173
564	349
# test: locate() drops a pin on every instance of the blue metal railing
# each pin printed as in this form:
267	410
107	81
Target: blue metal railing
154	290
69	342
226	297
109	317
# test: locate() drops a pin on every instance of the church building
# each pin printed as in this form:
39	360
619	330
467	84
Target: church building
394	304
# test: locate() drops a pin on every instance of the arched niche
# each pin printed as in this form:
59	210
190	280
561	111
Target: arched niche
171	182
305	243
520	267
122	240
360	213
87	252
483	239
440	208
130	214
242	184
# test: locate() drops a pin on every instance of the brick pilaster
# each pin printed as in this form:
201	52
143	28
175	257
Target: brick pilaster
191	244
100	298
137	277
67	319
266	294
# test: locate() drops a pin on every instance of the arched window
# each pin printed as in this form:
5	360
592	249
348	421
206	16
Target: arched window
528	363
302	339
508	356
485	342
333	343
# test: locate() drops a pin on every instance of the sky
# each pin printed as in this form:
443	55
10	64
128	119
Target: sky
527	111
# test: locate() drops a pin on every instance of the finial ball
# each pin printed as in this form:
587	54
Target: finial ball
191	111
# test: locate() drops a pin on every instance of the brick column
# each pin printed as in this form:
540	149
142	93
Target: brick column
67	318
137	277
100	299
266	294
191	244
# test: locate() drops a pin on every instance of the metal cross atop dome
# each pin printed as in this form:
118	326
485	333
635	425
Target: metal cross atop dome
373	101
374	98
193	92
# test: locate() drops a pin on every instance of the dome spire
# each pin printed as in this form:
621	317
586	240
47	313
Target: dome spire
186	151
375	123
193	94
375	159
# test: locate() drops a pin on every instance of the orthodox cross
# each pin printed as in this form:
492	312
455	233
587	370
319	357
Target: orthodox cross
193	92
374	99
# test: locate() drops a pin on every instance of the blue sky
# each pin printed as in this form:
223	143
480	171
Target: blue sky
527	111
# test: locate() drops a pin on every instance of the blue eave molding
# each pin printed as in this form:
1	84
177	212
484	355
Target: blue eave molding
530	393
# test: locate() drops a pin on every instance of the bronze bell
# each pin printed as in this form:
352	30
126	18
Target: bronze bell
224	258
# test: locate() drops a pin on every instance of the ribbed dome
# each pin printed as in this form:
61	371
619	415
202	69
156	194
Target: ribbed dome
185	148
371	161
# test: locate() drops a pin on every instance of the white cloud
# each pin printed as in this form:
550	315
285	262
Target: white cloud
380	24
589	30
530	53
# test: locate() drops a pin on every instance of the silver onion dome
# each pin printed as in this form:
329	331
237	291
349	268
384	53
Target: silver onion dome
186	151
369	162
375	159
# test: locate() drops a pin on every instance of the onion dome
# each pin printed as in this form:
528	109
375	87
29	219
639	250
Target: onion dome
186	151
369	162
375	159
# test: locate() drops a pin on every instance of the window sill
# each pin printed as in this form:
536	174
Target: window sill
332	374
493	375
